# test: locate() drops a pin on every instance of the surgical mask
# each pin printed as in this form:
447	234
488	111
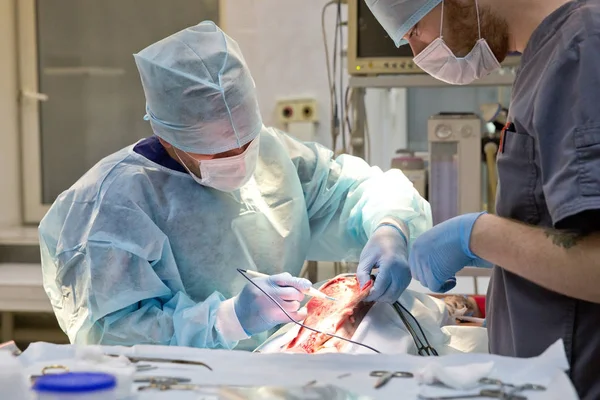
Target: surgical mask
230	173
440	62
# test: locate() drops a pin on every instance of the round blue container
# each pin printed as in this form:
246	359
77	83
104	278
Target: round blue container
74	384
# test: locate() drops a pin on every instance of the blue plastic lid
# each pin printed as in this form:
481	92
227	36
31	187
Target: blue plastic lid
75	382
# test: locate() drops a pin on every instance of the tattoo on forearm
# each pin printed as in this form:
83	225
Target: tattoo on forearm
564	239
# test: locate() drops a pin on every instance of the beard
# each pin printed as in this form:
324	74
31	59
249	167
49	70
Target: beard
461	31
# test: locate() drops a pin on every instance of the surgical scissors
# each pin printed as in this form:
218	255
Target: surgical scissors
386	376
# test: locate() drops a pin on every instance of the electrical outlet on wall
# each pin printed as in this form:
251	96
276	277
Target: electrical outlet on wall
297	110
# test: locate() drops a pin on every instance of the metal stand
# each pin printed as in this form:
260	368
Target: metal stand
359	84
475	273
359	118
503	77
8	326
311	271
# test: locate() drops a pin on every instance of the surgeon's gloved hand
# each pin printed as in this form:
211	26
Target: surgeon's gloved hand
438	254
386	250
257	313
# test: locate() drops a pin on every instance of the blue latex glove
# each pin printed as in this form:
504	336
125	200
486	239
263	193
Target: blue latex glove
438	254
257	313
386	250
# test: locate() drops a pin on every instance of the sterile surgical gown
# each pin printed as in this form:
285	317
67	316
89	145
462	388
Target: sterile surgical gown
136	253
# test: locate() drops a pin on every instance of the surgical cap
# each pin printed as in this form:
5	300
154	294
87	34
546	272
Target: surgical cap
200	96
398	16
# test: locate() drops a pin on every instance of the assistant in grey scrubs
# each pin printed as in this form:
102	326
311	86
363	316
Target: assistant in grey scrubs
549	173
545	240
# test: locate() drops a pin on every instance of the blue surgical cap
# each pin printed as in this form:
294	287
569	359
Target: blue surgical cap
398	16
200	96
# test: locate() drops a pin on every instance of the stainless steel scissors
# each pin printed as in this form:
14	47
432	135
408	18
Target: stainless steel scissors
386	376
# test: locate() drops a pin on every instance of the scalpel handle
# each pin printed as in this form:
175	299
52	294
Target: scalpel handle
311	292
256	274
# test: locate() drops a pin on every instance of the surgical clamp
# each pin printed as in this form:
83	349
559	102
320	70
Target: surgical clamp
163	360
144	367
61	369
160	379
169	386
386	376
514	389
524	388
422	349
164	383
490	394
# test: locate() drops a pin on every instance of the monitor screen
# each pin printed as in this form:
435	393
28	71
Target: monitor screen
372	40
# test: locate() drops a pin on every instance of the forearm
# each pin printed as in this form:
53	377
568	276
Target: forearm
179	322
564	262
391	198
344	215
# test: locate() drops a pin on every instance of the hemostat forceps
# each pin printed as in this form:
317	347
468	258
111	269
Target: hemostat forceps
386	376
490	394
422	349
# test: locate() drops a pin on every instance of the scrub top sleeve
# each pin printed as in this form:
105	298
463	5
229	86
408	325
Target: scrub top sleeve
567	128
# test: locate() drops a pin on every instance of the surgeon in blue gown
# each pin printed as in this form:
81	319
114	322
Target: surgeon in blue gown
144	248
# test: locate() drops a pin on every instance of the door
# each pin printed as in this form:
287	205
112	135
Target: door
81	96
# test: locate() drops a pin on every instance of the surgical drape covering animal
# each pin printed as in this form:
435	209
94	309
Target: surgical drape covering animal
137	253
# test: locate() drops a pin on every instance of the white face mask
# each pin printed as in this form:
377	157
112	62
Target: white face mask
440	62
230	173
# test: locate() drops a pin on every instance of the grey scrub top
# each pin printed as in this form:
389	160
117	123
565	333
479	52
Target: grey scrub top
549	176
